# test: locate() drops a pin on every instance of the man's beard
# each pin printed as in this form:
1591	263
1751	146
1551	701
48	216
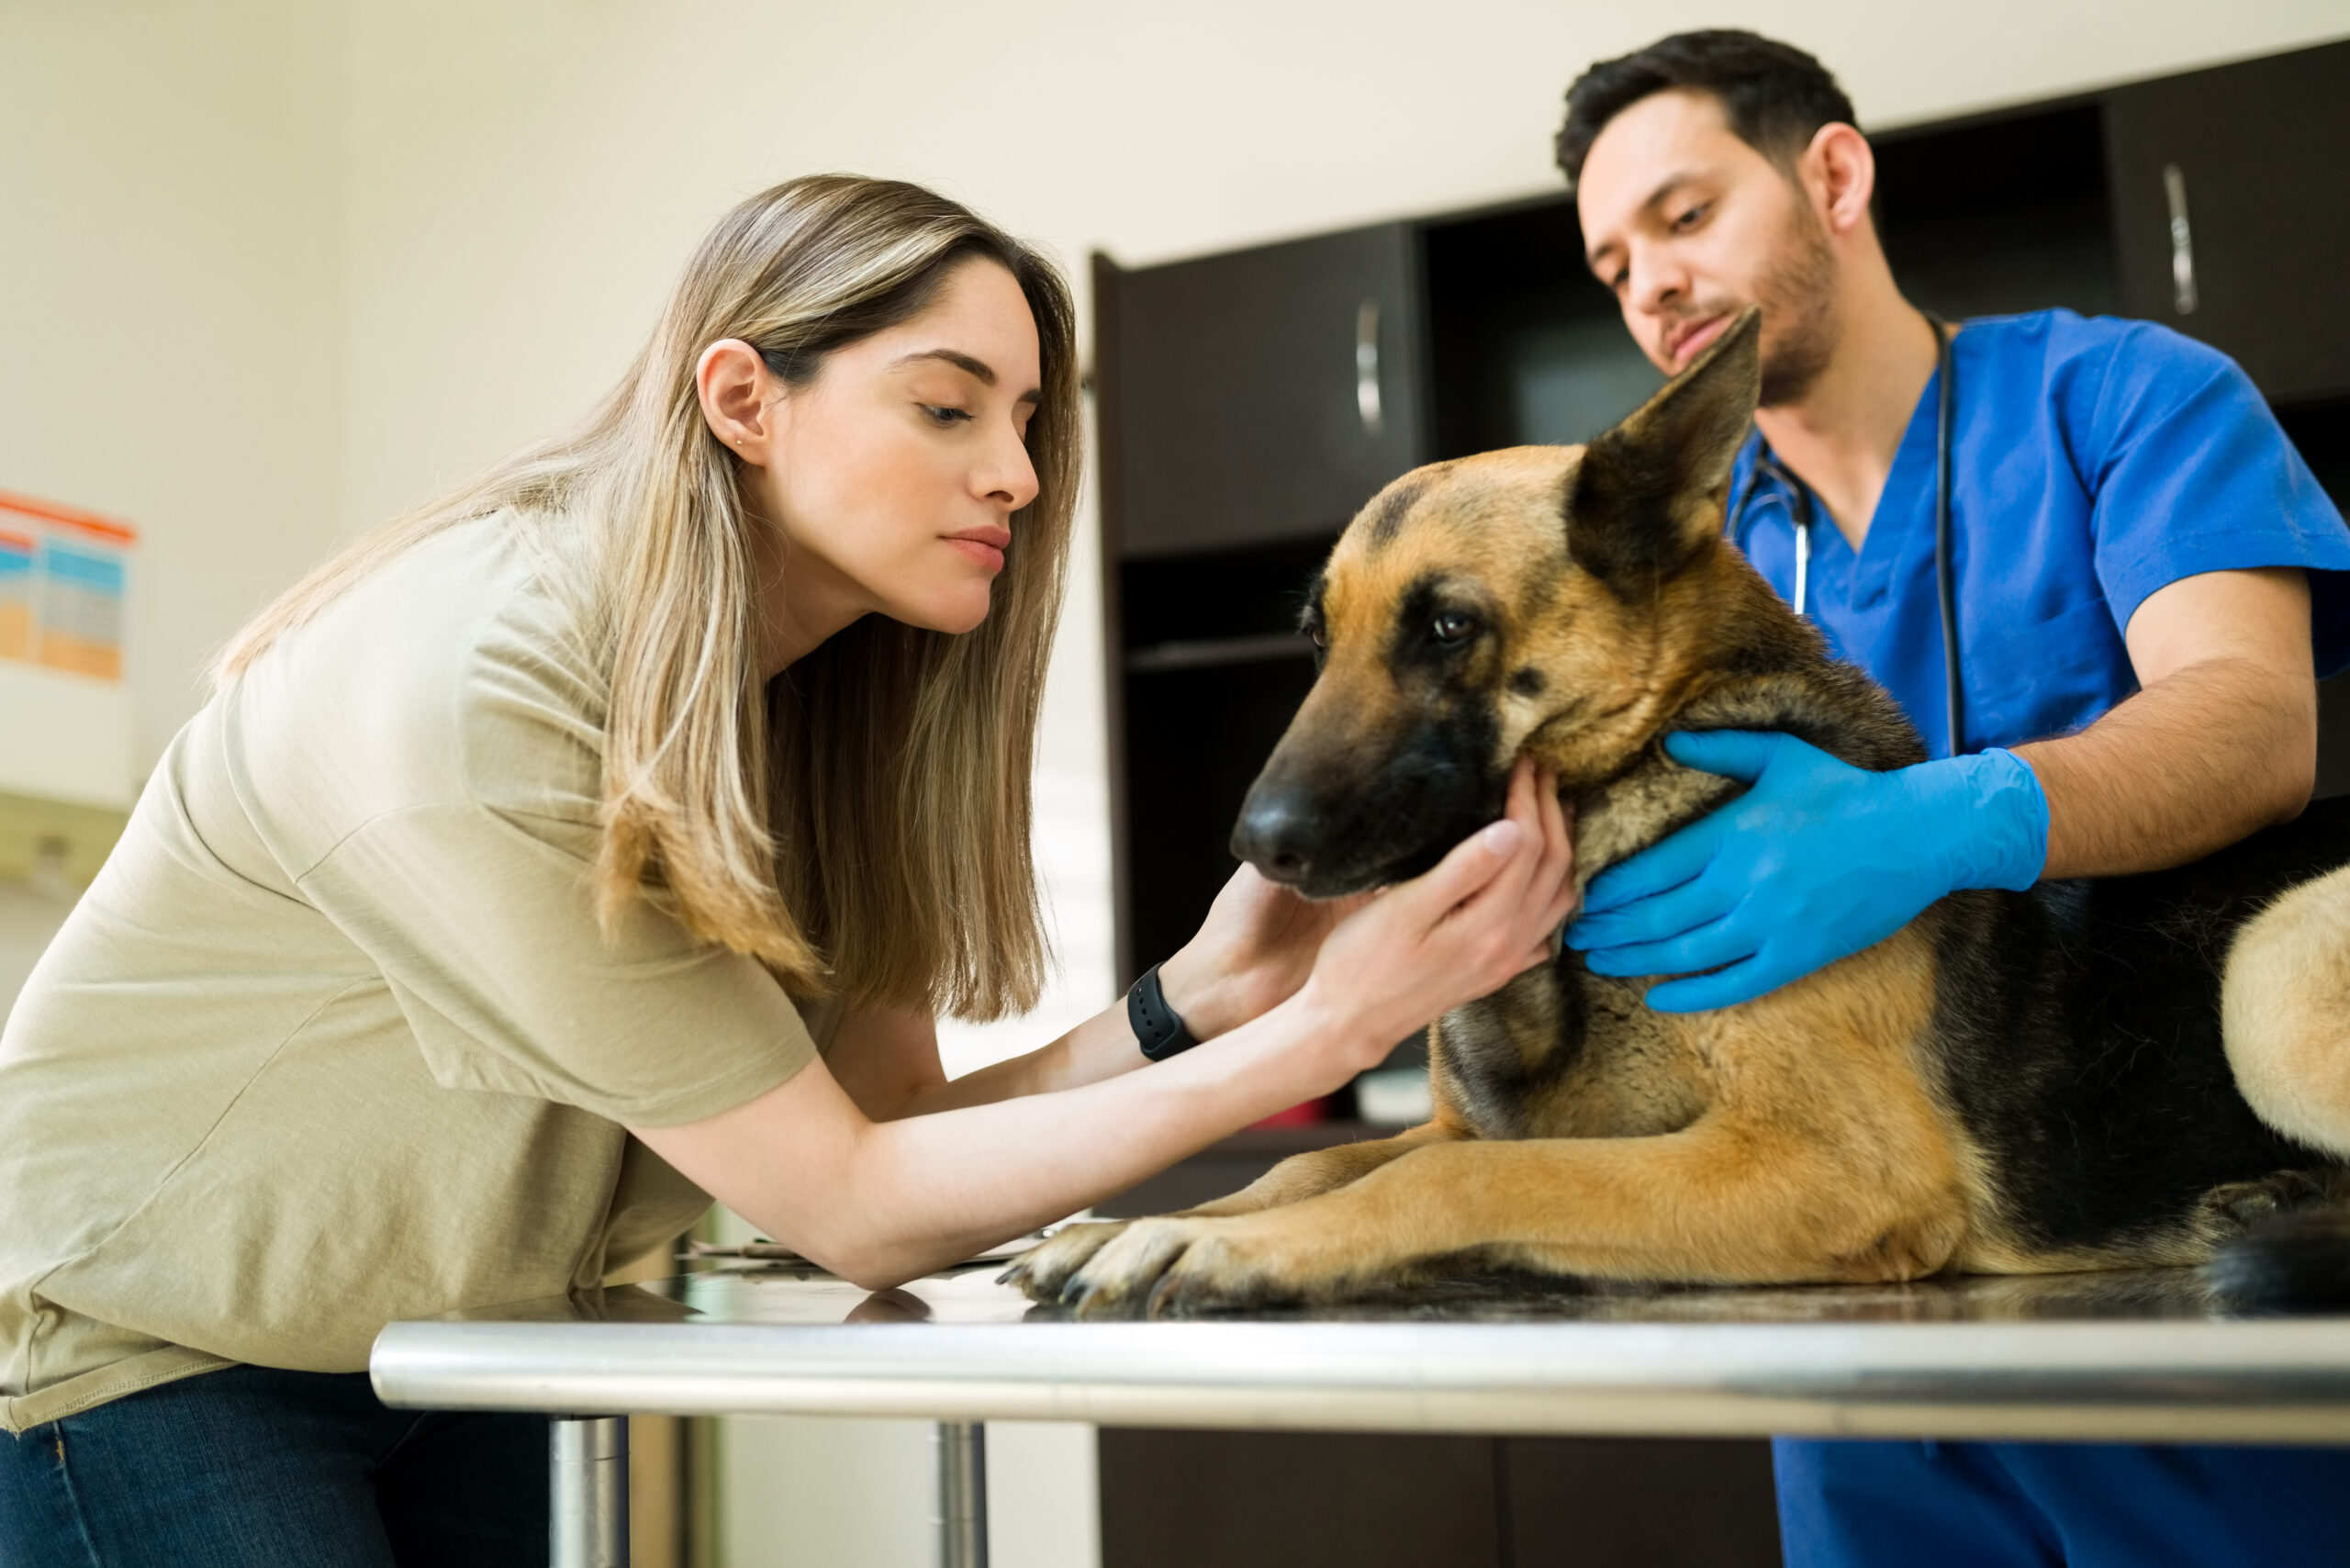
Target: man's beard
1798	316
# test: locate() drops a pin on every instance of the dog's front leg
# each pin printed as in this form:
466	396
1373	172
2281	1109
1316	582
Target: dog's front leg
1044	1271
1319	1170
1725	1201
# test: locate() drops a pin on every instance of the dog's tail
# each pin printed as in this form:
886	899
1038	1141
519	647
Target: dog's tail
2299	1259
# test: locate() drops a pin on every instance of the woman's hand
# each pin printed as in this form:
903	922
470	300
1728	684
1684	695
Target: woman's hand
1489	911
1253	951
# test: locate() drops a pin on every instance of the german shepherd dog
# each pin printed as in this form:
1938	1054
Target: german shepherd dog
2089	1075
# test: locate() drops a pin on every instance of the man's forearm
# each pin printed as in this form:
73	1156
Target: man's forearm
2193	763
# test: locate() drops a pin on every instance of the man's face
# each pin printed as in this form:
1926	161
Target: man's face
1688	225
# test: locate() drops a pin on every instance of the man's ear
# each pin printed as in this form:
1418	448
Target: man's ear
1650	491
1844	166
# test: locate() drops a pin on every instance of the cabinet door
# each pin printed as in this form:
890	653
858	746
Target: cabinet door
1641	1501
1208	1499
2232	209
1262	395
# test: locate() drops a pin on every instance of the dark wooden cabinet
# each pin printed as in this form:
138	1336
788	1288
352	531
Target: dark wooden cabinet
2231	192
2001	213
1180	1499
1210	669
1266	394
1349	1500
1524	346
1640	1503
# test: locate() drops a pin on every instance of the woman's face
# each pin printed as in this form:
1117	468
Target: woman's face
889	482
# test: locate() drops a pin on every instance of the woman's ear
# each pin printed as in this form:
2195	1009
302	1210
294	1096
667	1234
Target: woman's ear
738	396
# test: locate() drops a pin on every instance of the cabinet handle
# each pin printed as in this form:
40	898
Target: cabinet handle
2182	242
1367	404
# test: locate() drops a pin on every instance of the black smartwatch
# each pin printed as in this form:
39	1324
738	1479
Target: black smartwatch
1158	1026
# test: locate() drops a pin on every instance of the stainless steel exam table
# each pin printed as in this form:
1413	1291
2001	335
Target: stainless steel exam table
2139	1356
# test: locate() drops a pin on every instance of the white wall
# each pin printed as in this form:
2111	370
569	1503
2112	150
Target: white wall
170	177
806	1492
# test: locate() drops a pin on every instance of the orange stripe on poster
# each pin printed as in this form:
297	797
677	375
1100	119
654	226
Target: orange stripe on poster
80	656
15	540
59	514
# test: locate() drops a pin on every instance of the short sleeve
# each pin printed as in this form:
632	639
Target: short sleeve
474	901
486	933
2190	472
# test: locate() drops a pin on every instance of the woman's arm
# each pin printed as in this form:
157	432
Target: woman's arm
886	1062
1251	954
880	1203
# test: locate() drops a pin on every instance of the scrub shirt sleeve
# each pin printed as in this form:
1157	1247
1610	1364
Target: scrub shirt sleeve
2190	472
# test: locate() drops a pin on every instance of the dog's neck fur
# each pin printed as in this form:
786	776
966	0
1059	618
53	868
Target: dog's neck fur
1780	678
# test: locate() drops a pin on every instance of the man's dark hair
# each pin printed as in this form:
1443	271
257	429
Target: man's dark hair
1773	94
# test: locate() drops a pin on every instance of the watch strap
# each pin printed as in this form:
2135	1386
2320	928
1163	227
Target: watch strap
1159	1028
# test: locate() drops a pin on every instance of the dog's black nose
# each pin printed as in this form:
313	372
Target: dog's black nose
1275	834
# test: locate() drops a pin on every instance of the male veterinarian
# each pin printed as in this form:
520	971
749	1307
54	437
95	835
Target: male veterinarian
2146	582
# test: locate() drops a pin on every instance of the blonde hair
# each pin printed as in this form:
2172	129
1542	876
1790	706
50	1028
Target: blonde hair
861	825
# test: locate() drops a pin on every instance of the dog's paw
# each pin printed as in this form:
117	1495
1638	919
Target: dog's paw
1046	1267
1170	1268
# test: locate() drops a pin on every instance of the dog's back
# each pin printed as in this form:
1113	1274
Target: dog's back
2078	1038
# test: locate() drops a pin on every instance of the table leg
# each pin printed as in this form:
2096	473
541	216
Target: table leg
588	1509
959	1495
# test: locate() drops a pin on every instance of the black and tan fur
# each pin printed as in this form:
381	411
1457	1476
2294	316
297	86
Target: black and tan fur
2012	1084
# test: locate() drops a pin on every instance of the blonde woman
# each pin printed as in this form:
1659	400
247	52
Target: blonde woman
603	839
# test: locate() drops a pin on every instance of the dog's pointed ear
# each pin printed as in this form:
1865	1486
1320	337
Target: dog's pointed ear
1650	491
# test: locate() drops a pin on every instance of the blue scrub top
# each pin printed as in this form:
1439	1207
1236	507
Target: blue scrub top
2093	462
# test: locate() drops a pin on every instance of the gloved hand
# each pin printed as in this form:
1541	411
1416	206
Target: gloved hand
1816	860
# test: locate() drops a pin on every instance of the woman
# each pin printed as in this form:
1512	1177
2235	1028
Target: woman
603	839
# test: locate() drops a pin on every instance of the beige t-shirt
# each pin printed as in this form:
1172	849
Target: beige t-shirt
334	1039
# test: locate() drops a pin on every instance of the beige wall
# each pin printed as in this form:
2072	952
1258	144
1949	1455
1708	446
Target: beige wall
270	270
171	180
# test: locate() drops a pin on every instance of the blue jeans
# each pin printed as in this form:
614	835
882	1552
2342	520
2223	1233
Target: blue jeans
251	1467
1846	1504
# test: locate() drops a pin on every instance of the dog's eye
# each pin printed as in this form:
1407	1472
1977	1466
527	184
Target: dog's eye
1318	634
1454	627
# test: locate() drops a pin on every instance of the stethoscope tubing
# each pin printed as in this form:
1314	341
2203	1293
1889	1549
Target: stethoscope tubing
1945	574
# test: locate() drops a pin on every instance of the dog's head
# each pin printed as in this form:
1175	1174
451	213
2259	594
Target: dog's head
1557	600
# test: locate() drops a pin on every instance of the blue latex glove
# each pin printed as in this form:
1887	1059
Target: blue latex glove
1816	860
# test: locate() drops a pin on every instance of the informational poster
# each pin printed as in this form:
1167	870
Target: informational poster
64	576
17	549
